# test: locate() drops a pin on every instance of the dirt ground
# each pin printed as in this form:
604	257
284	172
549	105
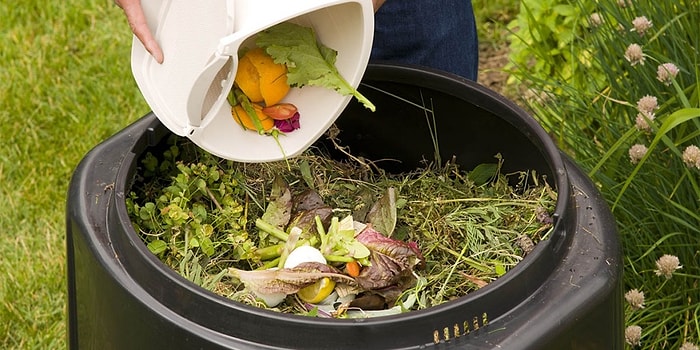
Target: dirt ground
491	61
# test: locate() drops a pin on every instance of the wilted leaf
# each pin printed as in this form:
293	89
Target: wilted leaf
308	200
392	263
279	207
479	283
407	254
287	281
382	216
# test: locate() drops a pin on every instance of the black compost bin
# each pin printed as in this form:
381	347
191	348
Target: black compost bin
566	294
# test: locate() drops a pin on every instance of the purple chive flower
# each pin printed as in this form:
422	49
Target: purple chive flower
691	156
637	152
666	73
634	54
641	25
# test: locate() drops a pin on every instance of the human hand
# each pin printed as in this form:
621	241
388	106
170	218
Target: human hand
137	21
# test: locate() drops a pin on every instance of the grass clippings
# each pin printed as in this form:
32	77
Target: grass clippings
196	212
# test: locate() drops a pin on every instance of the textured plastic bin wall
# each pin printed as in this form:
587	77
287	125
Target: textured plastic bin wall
566	294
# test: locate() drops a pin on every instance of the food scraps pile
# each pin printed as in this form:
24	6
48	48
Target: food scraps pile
286	55
335	238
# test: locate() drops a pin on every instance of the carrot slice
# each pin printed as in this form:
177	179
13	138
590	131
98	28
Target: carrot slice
353	268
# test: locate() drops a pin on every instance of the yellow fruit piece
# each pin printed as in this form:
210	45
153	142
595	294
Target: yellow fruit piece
260	78
318	291
242	118
248	79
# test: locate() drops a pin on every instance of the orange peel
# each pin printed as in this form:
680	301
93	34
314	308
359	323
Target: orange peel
248	79
260	78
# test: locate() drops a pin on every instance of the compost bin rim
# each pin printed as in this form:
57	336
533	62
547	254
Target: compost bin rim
541	249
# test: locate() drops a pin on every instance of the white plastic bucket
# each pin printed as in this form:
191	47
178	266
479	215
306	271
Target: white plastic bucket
201	40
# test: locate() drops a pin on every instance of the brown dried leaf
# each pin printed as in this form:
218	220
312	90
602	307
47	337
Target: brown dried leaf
308	200
479	283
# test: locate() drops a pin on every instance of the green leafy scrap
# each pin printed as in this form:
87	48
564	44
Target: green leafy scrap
308	61
340	241
382	215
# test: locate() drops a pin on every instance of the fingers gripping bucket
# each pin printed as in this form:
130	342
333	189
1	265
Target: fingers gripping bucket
201	41
565	294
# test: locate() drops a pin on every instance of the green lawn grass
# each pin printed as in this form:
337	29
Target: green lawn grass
66	86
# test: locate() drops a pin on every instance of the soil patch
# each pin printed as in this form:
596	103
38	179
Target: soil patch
491	62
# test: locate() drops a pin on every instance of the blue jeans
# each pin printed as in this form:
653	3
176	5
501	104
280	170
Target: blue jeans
439	34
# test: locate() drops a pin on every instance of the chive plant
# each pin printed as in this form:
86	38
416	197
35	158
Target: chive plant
637	132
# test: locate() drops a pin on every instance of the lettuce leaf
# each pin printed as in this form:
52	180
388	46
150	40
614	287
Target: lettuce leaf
308	61
392	261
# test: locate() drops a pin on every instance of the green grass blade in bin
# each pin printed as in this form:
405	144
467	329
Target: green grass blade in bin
308	61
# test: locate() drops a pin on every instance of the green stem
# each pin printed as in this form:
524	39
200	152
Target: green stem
270	252
327	247
341	251
270	264
364	261
274	231
232	97
289	245
241	98
275	251
276	135
313	241
360	97
364	100
338	258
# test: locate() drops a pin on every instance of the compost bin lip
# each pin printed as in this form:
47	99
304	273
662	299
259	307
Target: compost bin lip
117	288
435	80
